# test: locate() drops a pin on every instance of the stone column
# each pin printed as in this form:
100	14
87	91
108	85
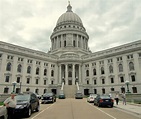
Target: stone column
61	41
79	78
66	74
81	42
73	74
60	74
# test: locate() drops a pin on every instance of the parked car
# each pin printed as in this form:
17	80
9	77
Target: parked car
91	98
3	112
39	96
48	97
61	96
27	102
78	95
103	100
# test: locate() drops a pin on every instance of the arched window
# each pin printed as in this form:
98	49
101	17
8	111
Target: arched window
120	67
8	67
52	73
19	68
131	66
87	72
102	70
28	69
45	72
111	69
37	71
94	71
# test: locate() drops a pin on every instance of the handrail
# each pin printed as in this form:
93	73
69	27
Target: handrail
62	86
77	85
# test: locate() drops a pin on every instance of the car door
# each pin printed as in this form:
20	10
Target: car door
33	101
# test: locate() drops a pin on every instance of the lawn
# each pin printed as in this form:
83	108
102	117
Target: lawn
1	103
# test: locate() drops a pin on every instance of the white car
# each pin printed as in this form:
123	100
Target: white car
91	98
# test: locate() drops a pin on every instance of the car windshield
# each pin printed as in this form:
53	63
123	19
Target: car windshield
105	96
78	93
48	94
23	97
93	95
61	94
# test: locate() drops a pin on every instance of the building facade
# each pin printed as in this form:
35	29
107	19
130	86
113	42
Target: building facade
70	62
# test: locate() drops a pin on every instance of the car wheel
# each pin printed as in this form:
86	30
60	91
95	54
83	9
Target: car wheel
37	108
29	111
111	106
98	104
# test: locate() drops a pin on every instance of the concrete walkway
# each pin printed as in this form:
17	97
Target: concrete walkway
130	107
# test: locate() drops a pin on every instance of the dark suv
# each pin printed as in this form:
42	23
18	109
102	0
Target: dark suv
26	104
48	97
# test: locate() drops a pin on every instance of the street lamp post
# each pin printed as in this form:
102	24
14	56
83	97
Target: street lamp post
14	84
127	84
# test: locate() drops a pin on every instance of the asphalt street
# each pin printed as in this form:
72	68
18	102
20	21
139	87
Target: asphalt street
79	109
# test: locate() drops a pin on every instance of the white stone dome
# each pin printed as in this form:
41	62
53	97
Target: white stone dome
69	16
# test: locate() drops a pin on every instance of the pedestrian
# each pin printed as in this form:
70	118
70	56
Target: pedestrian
10	104
117	98
124	98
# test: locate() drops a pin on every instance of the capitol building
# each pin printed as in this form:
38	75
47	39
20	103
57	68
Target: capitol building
70	66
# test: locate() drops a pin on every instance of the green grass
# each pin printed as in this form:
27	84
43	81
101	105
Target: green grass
1	103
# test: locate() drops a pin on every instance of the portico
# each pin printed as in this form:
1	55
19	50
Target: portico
69	73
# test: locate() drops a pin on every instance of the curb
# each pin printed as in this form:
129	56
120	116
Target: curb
128	110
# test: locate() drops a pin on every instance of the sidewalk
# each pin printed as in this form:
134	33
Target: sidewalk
130	107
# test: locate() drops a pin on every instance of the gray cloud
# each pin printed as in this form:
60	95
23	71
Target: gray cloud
29	23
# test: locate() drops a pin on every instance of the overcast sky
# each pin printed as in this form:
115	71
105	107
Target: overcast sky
109	23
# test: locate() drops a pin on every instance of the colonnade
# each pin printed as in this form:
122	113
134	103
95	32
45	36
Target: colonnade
70	74
63	41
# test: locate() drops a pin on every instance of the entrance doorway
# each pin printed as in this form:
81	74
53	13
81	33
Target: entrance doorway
86	91
69	82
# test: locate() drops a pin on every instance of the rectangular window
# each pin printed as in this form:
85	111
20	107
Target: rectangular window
45	82
18	79
103	81
112	80
37	81
95	91
133	78
121	79
7	78
134	89
6	90
95	82
28	80
119	58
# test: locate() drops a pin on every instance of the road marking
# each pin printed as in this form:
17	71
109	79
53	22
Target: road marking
103	111
42	111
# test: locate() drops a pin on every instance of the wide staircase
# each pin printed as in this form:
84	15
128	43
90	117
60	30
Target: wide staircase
70	90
